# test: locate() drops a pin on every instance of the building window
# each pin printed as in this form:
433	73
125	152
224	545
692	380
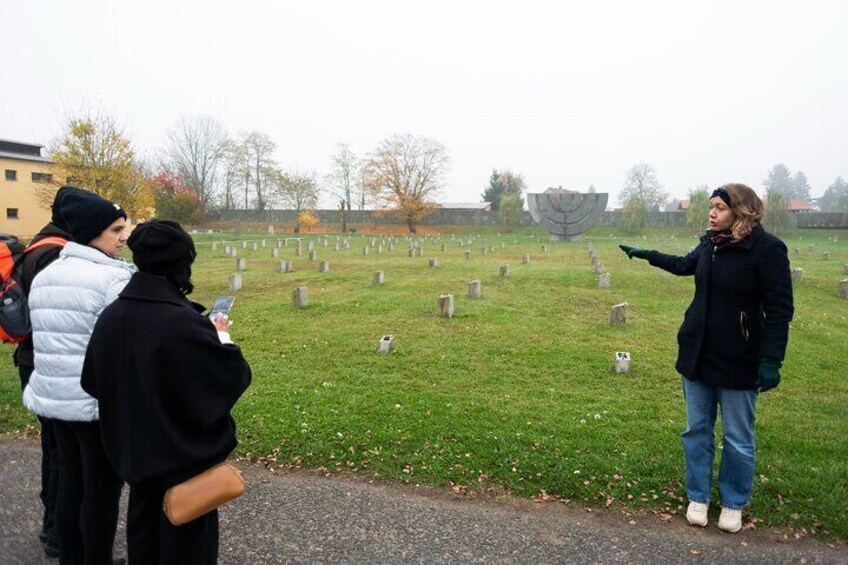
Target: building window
11	213
11	175
42	177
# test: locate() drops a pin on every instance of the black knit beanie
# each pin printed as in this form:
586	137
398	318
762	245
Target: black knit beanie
161	247
57	219
85	214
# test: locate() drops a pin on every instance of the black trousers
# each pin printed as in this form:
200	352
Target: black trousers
152	539
89	492
49	470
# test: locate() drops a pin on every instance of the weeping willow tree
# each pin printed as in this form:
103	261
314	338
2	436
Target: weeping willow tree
510	208
778	219
699	206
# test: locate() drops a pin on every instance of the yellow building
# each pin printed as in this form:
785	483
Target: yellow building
23	168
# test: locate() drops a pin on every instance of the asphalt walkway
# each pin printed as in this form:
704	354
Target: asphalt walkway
302	517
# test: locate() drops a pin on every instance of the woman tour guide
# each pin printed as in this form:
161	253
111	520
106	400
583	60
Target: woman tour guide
731	344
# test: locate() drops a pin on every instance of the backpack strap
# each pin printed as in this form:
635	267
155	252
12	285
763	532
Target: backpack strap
52	240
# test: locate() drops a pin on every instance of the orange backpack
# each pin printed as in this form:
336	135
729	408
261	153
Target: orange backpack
15	326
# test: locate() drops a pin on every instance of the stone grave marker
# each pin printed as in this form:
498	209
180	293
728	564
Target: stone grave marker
598	268
525	260
845	269
467	255
365	250
604	280
214	246
300	297
275	252
504	270
446	305
475	289
270	230
235	282
843	288
255	246
241	264
622	361
434	263
285	266
797	275
324	267
544	249
826	255
386	344
244	245
313	256
618	314
298	251
379	278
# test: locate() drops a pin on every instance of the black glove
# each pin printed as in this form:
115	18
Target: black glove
635	252
768	375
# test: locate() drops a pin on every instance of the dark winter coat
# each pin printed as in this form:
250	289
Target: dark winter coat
165	384
741	310
34	262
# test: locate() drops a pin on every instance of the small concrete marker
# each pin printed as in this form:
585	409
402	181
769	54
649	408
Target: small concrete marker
324	267
300	297
379	278
434	263
275	252
618	314
386	344
475	289
843	288
446	305
504	270
604	280
284	266
622	361
467	255
826	256
235	282
241	264
525	260
313	256
797	275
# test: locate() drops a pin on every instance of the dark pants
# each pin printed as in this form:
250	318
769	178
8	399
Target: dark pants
49	471
89	491
152	539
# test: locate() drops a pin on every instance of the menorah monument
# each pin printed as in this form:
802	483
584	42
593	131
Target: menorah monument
566	214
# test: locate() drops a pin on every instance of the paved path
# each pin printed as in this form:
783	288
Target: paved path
299	517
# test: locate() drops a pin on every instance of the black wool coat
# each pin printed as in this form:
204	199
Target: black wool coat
165	384
741	310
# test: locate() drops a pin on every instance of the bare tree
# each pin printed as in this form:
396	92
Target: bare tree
194	149
299	190
233	164
405	173
260	165
642	184
344	174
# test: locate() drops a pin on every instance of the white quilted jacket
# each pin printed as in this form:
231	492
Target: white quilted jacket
65	300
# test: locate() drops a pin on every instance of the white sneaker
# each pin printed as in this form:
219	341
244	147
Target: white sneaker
696	514
730	520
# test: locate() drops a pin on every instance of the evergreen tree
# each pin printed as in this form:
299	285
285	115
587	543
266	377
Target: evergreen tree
779	181
835	198
800	187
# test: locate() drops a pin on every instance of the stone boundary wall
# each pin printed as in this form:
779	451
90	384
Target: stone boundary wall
455	217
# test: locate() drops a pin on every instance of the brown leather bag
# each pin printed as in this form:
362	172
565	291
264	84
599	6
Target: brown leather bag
202	493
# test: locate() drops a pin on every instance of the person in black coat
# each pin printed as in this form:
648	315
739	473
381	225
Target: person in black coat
166	378
731	344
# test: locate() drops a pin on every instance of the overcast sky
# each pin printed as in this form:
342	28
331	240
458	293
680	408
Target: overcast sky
564	93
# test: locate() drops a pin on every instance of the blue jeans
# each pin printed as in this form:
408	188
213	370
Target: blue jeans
736	473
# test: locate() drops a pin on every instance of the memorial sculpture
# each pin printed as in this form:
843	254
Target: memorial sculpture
566	214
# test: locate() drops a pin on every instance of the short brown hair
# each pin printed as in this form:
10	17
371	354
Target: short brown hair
747	209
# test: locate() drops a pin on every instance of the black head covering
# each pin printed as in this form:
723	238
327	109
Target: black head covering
84	214
162	247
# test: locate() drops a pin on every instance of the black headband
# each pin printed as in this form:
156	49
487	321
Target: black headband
722	193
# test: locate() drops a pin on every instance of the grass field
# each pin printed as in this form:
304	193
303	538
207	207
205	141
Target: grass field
517	392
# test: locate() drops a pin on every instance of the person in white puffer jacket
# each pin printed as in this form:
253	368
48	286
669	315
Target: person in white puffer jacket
65	300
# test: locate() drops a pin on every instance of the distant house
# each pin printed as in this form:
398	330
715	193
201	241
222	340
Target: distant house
683	204
479	206
23	168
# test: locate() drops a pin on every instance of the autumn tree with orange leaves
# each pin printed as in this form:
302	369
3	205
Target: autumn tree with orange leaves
405	174
175	200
